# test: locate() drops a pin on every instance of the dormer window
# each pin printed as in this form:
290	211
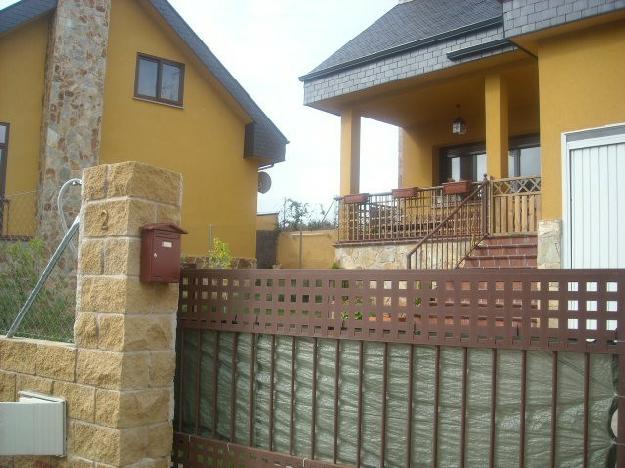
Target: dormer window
159	80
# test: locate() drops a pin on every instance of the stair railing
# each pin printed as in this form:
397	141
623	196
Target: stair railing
454	238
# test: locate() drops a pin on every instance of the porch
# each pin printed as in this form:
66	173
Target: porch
508	206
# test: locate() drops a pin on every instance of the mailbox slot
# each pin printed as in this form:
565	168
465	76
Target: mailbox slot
160	253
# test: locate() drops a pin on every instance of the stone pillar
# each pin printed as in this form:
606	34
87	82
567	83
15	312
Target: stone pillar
73	104
350	152
496	109
549	243
125	329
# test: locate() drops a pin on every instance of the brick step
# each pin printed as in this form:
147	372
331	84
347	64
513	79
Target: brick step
500	261
505	250
520	239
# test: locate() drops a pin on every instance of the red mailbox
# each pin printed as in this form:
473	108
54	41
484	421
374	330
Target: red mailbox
160	253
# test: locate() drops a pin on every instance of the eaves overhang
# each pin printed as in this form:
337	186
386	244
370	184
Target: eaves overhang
407	47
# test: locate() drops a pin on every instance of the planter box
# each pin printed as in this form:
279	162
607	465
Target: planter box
407	192
356	198
462	186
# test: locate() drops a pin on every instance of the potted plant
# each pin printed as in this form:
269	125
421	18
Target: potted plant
457	187
406	192
356	198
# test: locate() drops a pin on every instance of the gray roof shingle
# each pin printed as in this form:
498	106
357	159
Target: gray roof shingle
407	25
262	136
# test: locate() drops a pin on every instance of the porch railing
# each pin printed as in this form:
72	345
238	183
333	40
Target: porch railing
515	205
514	208
451	240
387	217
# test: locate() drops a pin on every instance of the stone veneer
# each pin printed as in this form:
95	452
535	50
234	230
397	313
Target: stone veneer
73	104
118	377
393	256
372	257
549	243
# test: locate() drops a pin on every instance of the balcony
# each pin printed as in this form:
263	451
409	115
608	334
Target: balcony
495	207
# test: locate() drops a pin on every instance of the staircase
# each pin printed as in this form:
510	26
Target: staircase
503	252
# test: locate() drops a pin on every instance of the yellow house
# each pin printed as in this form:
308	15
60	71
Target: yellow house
527	92
106	81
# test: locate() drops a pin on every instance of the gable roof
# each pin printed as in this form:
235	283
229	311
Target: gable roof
262	136
410	25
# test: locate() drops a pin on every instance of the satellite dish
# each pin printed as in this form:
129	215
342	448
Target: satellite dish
264	182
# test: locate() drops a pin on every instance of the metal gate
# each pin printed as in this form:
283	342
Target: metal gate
249	340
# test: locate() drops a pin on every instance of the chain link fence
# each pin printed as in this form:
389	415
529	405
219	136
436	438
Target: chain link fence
23	257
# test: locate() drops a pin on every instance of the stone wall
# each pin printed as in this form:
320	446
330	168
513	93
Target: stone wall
373	257
393	256
118	377
549	243
73	104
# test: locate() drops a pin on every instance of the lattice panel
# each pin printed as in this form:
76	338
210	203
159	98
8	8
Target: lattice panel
198	451
575	310
516	185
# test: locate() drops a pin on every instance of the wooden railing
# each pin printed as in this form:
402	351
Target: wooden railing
451	240
515	205
514	208
388	217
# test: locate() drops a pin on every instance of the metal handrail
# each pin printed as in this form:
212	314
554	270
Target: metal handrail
439	226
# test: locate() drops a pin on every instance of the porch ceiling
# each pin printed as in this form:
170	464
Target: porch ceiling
437	99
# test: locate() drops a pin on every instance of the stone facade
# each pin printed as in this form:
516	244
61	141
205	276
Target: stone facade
393	256
372	257
118	377
526	16
549	243
73	105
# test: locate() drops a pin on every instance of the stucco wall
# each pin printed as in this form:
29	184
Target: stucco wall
22	65
581	86
317	249
203	141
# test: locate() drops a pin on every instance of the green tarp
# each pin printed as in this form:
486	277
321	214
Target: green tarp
569	439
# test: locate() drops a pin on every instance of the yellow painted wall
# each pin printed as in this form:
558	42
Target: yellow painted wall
582	85
421	143
204	141
317	249
22	74
267	221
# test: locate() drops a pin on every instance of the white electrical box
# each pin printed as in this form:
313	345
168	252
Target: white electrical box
34	425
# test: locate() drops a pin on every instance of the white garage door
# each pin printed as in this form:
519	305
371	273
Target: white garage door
596	203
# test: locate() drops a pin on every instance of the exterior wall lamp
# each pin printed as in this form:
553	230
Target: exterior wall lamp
459	126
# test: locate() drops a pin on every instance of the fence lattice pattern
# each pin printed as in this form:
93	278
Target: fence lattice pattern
520	309
414	355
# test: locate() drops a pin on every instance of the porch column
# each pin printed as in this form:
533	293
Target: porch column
496	111
350	152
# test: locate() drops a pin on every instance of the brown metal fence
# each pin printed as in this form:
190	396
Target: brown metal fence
554	311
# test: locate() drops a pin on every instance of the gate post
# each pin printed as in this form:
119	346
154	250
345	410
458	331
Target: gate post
124	329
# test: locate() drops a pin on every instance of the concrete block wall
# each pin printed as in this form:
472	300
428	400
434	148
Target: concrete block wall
118	377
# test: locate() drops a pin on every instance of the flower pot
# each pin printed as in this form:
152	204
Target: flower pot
407	192
459	187
356	198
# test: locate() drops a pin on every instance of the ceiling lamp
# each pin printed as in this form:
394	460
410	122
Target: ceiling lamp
459	126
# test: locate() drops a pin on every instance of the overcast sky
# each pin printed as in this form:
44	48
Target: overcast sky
267	45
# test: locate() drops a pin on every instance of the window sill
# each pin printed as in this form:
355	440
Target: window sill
153	101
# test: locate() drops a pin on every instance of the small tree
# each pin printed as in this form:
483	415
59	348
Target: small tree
219	255
294	214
